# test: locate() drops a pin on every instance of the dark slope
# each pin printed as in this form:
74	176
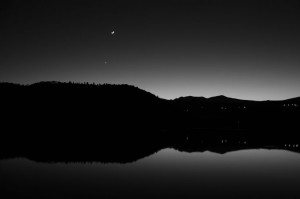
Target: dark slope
86	106
222	113
57	106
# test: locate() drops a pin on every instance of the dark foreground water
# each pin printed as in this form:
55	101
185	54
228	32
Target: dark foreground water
255	173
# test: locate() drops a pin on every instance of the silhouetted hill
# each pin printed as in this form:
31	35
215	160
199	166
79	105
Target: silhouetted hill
81	112
295	100
226	113
216	99
74	106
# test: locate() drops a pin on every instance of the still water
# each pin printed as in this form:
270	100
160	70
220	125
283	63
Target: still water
257	173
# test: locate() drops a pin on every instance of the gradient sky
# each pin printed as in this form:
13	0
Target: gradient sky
248	49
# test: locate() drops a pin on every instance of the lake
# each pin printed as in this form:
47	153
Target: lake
252	173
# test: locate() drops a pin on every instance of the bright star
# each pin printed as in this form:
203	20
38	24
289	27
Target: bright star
113	32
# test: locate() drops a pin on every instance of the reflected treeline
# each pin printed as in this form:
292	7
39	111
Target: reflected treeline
130	149
54	121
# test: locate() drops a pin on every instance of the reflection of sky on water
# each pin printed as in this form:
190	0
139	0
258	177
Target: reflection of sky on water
263	173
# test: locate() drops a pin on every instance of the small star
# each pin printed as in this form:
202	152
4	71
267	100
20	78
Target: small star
112	33
105	62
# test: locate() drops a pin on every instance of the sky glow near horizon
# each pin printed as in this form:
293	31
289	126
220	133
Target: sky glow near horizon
247	50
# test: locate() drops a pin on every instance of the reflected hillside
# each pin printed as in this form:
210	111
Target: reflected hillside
131	149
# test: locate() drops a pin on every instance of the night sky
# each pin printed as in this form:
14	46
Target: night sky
248	49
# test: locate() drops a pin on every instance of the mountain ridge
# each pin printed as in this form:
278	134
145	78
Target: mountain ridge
115	107
212	98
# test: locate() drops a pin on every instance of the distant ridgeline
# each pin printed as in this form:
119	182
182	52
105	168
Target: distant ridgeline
56	107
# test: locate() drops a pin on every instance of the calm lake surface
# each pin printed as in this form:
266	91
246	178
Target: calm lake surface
257	173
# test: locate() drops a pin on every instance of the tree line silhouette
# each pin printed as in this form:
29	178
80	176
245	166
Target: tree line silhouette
74	106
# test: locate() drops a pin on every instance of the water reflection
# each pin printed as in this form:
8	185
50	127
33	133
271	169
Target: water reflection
167	174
